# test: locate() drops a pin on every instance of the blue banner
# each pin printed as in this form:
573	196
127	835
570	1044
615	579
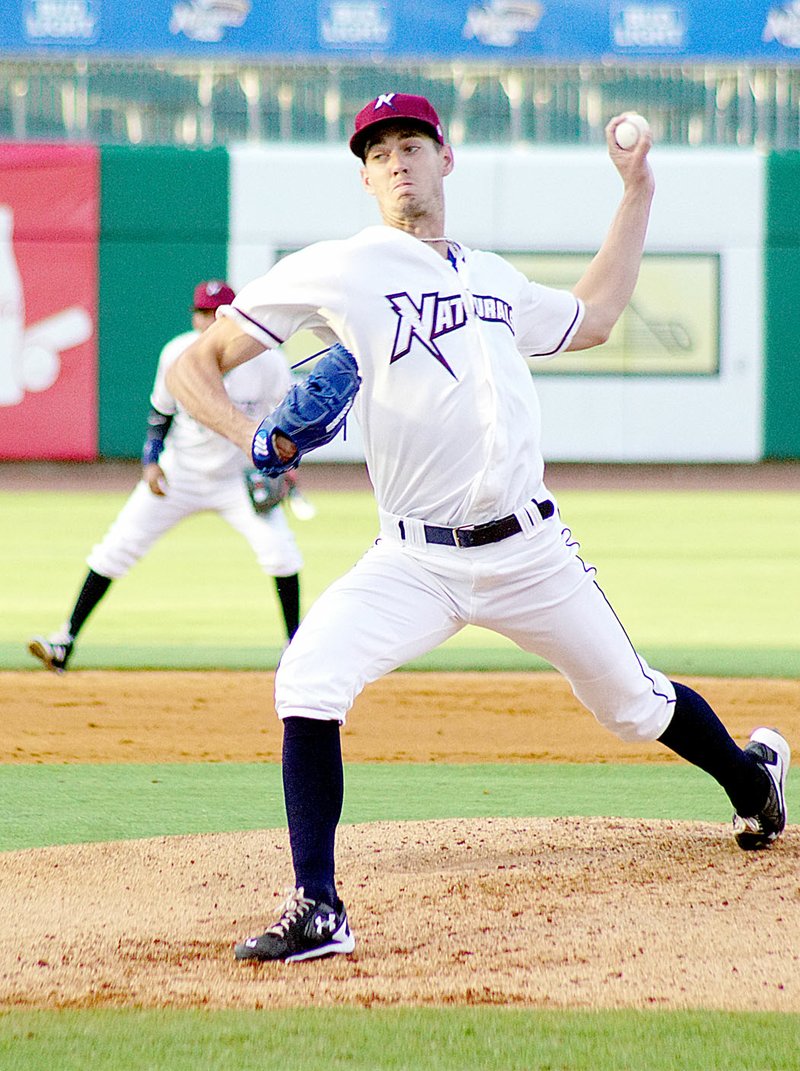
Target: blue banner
507	31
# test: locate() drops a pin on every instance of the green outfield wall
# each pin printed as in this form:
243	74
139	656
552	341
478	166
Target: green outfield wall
782	307
163	227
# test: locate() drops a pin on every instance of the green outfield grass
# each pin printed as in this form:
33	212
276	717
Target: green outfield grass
415	1039
80	803
705	582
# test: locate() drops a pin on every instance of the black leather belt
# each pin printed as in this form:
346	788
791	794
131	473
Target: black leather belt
479	535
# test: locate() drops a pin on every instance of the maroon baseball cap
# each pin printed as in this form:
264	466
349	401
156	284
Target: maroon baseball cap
211	294
389	107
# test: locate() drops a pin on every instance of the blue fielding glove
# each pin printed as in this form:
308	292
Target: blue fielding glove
311	414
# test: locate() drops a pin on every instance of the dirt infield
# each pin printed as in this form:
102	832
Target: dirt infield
535	912
121	476
97	716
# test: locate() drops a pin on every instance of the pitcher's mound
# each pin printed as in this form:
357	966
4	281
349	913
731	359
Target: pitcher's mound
568	912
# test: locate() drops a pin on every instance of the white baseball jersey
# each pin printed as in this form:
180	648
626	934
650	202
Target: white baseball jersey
451	427
190	447
204	473
448	411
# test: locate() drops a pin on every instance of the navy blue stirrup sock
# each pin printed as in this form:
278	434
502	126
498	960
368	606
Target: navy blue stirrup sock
697	735
313	788
94	588
288	589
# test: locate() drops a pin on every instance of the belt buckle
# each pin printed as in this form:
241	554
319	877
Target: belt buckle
457	535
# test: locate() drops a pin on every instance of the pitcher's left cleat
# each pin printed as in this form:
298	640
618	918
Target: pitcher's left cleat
762	829
307	929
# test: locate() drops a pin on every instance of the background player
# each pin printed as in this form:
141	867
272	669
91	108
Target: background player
470	533
186	469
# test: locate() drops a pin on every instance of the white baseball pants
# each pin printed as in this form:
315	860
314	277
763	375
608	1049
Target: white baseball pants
145	518
401	601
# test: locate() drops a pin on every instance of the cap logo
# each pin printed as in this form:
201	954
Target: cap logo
385	99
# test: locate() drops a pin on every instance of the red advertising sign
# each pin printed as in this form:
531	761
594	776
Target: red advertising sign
49	226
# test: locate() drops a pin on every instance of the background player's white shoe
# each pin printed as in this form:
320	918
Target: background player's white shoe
773	754
300	506
54	651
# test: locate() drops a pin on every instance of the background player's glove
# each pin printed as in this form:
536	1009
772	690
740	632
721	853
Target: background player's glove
265	492
311	414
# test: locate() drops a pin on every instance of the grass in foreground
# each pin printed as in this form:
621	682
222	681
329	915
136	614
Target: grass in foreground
83	803
402	1039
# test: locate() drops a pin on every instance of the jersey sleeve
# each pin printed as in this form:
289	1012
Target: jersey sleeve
289	298
160	397
547	320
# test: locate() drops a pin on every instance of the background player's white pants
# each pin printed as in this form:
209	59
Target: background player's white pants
145	518
400	601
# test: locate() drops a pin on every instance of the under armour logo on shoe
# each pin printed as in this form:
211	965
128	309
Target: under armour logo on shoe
323	924
384	100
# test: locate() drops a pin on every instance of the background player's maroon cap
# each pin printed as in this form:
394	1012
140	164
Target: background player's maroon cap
389	107
211	294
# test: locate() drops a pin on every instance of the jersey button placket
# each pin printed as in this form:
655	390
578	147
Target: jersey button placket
488	401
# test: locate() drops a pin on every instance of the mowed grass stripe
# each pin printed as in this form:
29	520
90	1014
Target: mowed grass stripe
676	661
398	1039
71	804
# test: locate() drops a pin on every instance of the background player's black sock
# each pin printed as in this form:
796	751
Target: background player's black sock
94	588
697	735
288	588
313	786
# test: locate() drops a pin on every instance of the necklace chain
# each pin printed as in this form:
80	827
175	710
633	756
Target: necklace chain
442	239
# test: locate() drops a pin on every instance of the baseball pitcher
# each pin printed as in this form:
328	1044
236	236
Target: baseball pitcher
432	346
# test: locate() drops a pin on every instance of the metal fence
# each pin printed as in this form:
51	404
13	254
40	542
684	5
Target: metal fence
215	103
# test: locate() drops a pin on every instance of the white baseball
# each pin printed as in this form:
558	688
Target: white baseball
628	132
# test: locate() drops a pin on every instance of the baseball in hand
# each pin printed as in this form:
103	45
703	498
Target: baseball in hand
628	132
